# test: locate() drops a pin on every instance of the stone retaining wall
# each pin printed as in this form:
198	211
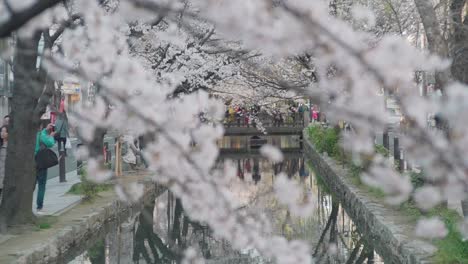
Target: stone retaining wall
382	225
72	238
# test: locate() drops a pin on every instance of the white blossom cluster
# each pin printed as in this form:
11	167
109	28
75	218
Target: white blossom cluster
289	193
431	228
396	187
272	153
139	66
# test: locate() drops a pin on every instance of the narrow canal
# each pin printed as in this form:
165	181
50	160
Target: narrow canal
161	231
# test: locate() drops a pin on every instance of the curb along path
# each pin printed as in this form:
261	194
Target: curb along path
387	229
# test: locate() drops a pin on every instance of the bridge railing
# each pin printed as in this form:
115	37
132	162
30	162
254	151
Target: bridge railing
266	120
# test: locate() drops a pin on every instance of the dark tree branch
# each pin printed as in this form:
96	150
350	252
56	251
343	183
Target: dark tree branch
22	17
157	21
63	26
45	82
208	35
9	8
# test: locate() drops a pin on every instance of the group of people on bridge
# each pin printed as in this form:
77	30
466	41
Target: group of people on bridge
294	114
241	114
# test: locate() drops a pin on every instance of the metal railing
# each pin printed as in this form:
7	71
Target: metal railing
265	120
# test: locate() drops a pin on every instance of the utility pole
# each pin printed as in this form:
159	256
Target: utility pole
62	164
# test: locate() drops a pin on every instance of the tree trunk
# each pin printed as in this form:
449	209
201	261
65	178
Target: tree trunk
20	174
96	146
458	41
435	40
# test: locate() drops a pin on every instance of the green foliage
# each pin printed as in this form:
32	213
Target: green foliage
410	210
44	226
45	222
325	139
355	171
76	189
81	171
417	179
320	182
97	252
452	248
381	150
87	188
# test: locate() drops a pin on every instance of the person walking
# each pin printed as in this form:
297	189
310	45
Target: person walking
44	138
3	148
130	151
315	115
61	124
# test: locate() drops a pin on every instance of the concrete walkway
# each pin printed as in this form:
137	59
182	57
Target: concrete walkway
56	200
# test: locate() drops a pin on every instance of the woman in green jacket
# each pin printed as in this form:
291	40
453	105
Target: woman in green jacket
46	137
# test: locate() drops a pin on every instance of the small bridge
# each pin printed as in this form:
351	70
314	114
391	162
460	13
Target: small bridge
255	153
287	124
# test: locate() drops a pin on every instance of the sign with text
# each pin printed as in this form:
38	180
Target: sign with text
71	88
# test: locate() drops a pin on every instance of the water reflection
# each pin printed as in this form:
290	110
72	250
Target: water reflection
162	231
250	167
331	234
159	234
250	142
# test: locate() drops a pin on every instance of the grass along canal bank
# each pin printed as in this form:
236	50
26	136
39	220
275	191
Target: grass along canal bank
390	228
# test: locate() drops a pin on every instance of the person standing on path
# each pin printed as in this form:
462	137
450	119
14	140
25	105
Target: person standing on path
3	147
130	151
61	126
44	137
315	115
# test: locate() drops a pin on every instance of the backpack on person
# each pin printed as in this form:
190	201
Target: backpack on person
45	158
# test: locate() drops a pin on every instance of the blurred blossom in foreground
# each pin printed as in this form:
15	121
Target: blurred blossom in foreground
431	228
272	153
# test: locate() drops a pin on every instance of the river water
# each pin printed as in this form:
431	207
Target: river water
161	231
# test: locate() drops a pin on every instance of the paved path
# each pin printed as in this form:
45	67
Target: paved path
70	160
56	200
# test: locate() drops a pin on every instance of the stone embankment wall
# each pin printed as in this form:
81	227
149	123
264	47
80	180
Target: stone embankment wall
76	237
384	228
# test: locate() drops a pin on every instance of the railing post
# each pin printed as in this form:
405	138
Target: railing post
62	171
397	154
402	166
79	162
396	148
385	139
